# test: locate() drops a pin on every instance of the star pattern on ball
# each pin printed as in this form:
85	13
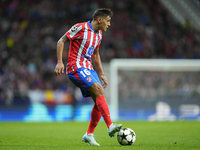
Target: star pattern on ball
126	136
123	136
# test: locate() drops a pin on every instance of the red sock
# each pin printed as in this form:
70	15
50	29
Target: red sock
103	108
95	117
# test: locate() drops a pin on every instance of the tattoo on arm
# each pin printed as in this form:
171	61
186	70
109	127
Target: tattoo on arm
64	38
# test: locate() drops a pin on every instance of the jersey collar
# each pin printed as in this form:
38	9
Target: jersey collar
89	22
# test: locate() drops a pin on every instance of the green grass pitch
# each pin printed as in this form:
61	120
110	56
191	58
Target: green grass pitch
178	135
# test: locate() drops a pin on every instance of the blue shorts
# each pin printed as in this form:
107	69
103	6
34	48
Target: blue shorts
84	78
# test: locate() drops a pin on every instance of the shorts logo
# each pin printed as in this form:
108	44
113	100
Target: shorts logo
89	79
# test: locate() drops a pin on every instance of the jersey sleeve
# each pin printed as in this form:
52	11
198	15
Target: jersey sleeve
74	32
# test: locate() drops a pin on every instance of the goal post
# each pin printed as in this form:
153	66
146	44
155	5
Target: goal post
145	66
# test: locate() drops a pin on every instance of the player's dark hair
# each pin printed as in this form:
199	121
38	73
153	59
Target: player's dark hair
102	12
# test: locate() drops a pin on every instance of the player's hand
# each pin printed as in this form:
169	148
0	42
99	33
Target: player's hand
105	82
59	69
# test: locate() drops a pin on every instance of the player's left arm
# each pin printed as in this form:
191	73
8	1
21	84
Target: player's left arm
97	61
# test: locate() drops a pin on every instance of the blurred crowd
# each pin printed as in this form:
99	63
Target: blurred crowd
197	2
30	29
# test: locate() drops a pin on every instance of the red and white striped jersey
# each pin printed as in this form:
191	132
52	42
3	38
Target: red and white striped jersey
83	41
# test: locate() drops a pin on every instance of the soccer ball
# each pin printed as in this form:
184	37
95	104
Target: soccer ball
126	136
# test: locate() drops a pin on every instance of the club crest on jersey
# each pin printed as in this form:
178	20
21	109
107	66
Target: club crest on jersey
89	79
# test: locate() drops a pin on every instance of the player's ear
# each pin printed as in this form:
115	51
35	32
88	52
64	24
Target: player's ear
99	20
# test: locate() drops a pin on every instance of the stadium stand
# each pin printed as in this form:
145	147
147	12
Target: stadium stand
30	30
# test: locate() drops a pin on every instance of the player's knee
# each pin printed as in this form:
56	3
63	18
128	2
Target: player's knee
101	91
98	90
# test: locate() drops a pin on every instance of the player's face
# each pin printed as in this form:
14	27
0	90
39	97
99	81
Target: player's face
105	23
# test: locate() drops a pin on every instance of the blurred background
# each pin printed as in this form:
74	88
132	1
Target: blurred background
140	29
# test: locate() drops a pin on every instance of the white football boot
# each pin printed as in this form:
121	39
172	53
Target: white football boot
89	138
113	129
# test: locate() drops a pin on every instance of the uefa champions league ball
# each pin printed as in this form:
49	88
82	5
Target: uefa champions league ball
126	136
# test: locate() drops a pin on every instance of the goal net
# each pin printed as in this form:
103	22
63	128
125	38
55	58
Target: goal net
155	89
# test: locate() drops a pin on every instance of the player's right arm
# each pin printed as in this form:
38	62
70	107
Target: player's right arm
60	46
